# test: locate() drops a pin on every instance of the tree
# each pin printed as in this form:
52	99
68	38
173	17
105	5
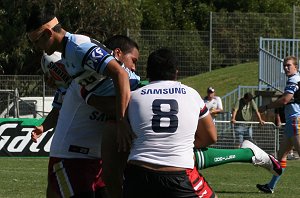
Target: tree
98	18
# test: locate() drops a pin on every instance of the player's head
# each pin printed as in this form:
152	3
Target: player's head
125	50
290	65
41	26
162	65
54	70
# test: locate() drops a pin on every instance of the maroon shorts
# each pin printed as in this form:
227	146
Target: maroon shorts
142	182
69	177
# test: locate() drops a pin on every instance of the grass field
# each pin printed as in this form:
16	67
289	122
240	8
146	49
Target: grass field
26	178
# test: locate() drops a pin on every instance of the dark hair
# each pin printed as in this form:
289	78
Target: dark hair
125	43
39	16
162	65
248	96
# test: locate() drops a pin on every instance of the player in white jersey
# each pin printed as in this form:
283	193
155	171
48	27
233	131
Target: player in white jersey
291	100
164	115
75	164
49	63
87	62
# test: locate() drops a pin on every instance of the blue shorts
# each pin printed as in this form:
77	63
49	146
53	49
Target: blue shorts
292	127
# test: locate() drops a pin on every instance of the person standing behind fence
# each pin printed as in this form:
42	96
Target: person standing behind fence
243	111
213	102
291	101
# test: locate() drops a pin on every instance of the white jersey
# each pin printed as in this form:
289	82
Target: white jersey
78	133
164	115
214	103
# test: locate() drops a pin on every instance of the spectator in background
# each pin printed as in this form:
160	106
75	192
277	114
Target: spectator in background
213	102
243	111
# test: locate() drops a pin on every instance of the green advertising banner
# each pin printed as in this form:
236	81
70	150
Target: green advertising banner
15	138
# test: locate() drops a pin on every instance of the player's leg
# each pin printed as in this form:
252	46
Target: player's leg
284	149
248	153
210	157
76	177
113	161
290	137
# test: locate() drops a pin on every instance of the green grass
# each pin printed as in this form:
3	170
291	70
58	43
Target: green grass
226	79
27	178
239	180
23	177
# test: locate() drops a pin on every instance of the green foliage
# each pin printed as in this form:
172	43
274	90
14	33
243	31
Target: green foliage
166	15
98	18
104	18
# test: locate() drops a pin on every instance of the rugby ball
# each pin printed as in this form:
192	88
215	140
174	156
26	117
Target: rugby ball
54	67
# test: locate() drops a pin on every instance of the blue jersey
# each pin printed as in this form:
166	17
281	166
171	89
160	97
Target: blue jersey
86	61
292	109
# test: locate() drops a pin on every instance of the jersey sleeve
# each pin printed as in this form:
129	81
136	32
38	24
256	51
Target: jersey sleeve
58	98
93	57
291	88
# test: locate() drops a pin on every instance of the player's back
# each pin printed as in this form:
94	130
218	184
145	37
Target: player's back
164	115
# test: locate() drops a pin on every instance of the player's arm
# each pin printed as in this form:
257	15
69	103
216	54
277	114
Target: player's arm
121	83
105	104
283	100
206	133
94	58
49	122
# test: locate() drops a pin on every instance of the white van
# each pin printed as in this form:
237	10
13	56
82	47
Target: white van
27	107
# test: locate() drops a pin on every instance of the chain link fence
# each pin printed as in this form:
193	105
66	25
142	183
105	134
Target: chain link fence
233	38
265	136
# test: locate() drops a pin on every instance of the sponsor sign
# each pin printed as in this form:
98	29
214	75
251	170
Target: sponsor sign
15	138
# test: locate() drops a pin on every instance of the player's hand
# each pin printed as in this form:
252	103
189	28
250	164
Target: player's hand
261	122
233	121
36	133
125	135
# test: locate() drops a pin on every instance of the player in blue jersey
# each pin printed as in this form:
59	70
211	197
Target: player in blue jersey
87	62
126	51
112	170
291	100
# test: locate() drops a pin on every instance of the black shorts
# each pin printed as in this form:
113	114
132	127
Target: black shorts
142	182
76	177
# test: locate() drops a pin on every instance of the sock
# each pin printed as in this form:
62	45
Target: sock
275	179
209	157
